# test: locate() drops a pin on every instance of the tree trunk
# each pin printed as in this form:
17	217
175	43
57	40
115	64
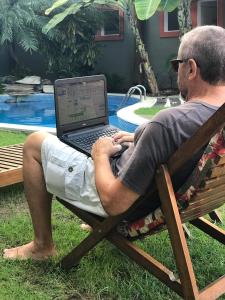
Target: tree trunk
184	16
150	76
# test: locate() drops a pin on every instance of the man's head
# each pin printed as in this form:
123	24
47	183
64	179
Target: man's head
203	49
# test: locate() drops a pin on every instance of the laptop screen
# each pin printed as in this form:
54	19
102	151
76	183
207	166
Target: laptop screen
80	101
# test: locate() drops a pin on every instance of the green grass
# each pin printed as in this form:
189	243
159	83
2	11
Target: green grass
105	273
149	112
10	138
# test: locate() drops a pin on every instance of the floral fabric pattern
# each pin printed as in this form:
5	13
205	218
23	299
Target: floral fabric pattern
155	220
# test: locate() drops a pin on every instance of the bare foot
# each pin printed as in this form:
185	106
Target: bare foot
30	250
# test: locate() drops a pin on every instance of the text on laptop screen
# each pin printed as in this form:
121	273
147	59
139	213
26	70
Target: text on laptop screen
80	101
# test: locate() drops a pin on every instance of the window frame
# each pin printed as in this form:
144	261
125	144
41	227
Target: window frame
112	37
194	16
220	11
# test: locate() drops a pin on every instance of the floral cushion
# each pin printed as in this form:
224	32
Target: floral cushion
154	221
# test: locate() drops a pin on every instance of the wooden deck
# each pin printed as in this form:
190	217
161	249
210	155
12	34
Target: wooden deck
11	160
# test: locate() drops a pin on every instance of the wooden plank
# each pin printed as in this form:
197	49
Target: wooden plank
205	193
218	170
15	150
213	290
11	160
210	229
146	261
199	210
10	157
205	205
133	251
11	176
17	160
9	164
212	183
176	233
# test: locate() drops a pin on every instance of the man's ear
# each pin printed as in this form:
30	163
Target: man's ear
193	69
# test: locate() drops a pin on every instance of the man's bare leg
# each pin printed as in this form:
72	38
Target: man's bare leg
39	201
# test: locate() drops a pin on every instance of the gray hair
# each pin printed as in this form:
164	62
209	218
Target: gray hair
206	45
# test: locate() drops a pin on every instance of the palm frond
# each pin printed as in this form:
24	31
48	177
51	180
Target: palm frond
28	41
55	5
73	9
7	34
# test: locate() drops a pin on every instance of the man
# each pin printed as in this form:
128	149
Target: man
108	186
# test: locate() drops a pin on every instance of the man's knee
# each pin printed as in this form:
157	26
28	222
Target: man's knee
32	145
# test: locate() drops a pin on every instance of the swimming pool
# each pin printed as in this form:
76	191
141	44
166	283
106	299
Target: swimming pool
39	110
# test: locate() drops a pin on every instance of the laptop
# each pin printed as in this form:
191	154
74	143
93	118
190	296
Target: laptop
82	111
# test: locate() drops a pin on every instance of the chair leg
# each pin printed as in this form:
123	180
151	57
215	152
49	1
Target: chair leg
215	217
100	231
210	229
177	237
145	260
73	258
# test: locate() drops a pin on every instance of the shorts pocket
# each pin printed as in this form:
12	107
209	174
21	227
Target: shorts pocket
74	180
55	177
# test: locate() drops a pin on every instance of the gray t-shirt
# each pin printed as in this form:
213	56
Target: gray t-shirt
155	141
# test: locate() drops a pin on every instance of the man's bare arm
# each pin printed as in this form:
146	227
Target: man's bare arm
115	196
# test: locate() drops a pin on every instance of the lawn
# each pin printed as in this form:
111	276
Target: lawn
149	112
104	274
10	138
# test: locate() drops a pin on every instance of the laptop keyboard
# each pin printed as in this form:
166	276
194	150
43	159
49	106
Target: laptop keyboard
86	141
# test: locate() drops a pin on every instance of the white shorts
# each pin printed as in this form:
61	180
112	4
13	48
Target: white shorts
69	174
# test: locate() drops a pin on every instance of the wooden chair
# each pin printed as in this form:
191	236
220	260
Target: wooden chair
206	197
11	159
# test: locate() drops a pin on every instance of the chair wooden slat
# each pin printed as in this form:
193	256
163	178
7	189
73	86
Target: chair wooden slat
215	182
208	198
217	170
200	210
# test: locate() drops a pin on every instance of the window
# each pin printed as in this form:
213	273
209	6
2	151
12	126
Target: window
207	12
169	26
171	22
112	27
203	12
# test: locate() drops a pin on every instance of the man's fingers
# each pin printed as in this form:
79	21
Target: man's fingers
123	136
126	138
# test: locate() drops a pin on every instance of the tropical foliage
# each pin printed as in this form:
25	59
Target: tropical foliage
184	16
144	10
70	47
147	8
67	50
17	21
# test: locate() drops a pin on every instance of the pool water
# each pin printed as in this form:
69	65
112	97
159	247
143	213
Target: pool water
39	110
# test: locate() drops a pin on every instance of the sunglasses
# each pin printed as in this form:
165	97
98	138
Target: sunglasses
175	63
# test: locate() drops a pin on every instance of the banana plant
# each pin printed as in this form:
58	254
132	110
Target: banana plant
184	16
135	9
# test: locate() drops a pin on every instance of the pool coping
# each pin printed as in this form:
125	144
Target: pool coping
26	128
127	114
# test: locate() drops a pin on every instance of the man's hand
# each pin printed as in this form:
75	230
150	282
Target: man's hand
123	137
104	146
115	196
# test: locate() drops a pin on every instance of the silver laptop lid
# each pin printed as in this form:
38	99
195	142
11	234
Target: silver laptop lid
80	102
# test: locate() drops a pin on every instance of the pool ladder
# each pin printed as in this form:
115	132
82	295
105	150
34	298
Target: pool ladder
142	92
